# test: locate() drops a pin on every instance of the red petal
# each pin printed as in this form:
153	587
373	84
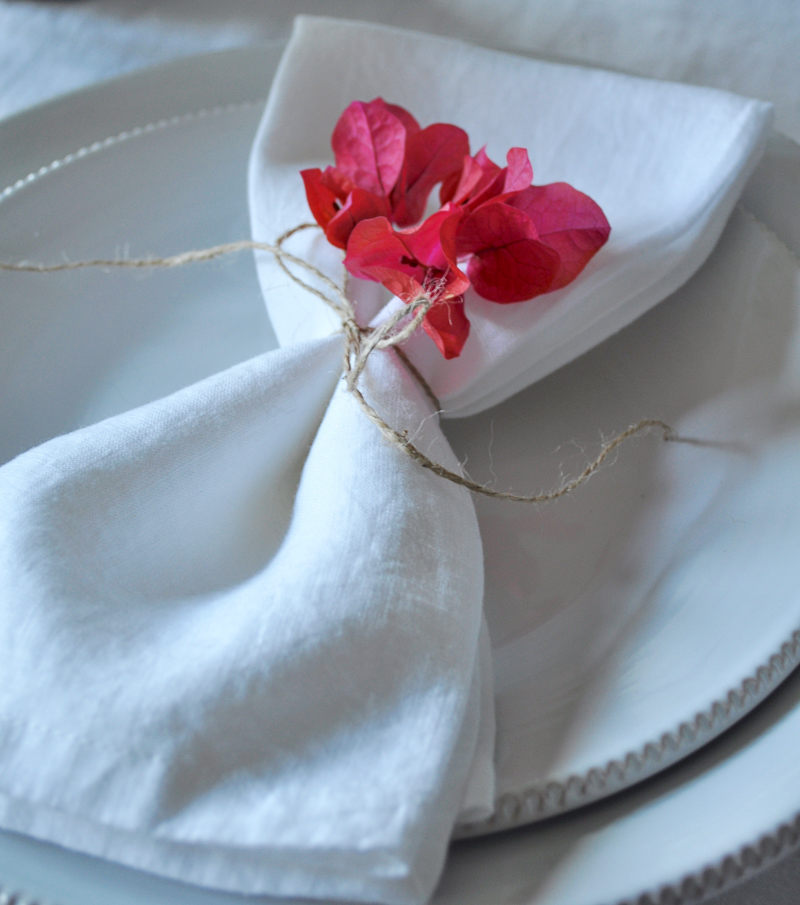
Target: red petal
369	144
509	263
360	205
448	188
411	125
432	155
375	252
457	187
514	272
497	184
425	241
322	201
447	325
568	221
481	179
485	162
337	182
491	225
519	172
448	232
433	243
491	181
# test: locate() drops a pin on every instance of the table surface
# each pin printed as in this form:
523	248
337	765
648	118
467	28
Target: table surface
47	48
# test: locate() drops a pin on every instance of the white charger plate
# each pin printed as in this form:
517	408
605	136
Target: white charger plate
604	675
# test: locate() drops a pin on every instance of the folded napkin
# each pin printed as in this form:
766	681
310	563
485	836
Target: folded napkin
666	163
241	635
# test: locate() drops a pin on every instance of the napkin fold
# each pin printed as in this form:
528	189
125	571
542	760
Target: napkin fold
241	636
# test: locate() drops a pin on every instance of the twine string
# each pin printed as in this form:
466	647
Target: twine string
360	343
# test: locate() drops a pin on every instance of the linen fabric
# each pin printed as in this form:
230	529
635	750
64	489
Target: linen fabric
248	628
49	49
240	636
665	162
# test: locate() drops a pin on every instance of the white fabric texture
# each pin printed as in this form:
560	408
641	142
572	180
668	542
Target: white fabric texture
665	162
80	46
253	665
254	628
741	46
751	49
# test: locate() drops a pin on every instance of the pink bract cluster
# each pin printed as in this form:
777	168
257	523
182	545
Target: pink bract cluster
495	231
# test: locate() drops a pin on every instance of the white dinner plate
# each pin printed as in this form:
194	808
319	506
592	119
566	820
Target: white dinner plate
631	622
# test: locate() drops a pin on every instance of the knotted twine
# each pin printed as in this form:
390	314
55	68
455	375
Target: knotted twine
360	343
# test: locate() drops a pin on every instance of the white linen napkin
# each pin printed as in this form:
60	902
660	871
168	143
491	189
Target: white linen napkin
240	635
666	163
236	660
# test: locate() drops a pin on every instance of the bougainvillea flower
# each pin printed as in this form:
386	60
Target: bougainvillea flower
408	121
337	205
369	145
447	325
376	252
481	179
360	205
386	165
508	261
408	262
568	221
495	231
413	263
323	198
432	155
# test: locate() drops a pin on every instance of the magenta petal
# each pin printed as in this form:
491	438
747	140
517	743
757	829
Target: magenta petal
447	325
337	182
321	199
490	183
433	155
519	172
457	187
486	163
514	272
493	224
433	244
424	242
375	252
568	221
509	263
411	125
369	144
360	205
